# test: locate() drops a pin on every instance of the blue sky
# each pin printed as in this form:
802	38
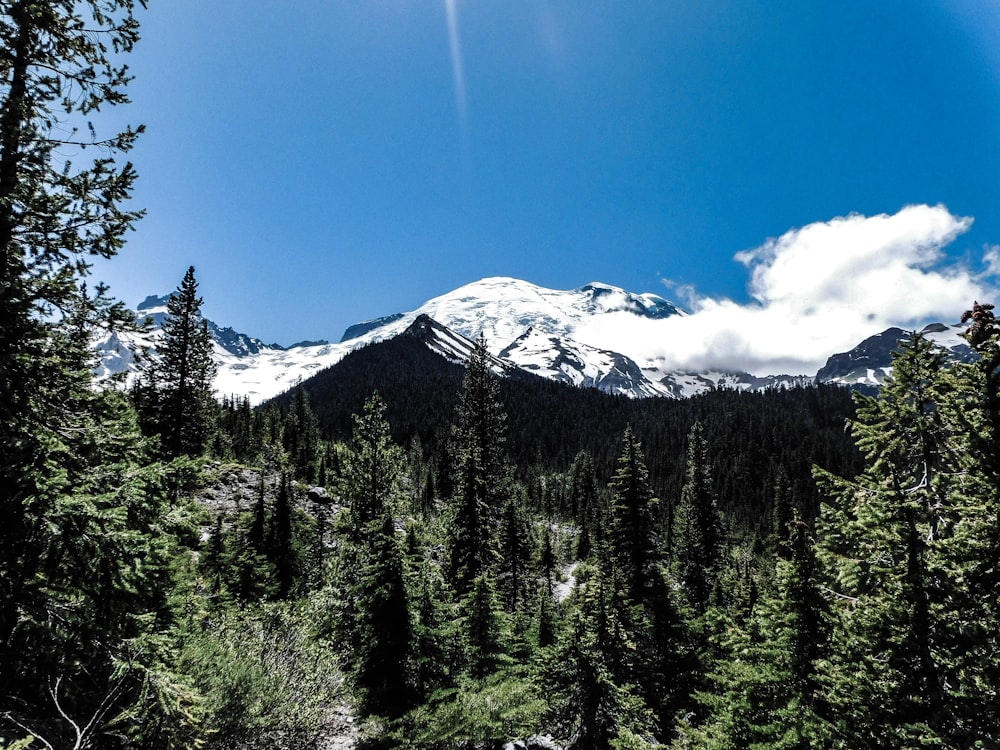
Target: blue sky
325	161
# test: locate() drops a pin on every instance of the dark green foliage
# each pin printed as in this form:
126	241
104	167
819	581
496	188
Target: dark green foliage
174	397
372	467
697	531
93	583
239	426
301	437
590	671
764	691
382	663
88	535
908	662
281	550
481	483
586	505
748	435
666	665
374	607
249	572
633	534
514	571
617	640
739	637
436	640
546	627
547	558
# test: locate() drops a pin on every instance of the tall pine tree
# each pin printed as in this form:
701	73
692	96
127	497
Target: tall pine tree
903	543
633	533
176	399
764	690
82	548
481	481
697	533
374	605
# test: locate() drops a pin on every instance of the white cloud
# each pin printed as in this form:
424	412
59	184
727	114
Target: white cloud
820	290
991	261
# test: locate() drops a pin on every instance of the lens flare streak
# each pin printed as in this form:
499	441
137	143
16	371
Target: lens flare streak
458	73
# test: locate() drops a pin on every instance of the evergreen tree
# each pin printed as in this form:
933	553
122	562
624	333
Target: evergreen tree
764	691
973	546
435	637
585	504
382	669
301	436
373	466
369	485
251	572
908	664
484	629
176	398
666	666
281	550
546	618
514	579
212	560
593	697
374	610
482	475
547	558
82	565
697	535
632	529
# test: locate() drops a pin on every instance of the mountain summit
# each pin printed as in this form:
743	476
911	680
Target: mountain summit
501	309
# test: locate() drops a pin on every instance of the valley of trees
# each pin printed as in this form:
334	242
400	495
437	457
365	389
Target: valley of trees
420	555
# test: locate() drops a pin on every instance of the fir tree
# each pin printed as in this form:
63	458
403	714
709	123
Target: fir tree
481	474
370	487
251	572
764	691
435	637
281	550
373	466
632	529
594	699
382	669
697	535
484	629
514	579
900	541
301	436
546	618
176	397
585	504
547	558
583	489
374	609
82	567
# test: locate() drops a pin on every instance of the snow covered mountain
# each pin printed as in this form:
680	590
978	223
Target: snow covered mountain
870	362
542	331
514	317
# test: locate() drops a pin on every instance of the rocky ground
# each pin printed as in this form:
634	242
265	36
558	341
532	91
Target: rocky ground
342	731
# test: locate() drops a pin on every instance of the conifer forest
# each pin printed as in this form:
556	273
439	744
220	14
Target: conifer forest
402	552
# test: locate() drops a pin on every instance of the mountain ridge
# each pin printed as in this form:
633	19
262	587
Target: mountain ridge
544	332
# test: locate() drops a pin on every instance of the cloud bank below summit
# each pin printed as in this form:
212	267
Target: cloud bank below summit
819	290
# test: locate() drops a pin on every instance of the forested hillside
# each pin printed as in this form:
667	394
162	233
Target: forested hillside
752	438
